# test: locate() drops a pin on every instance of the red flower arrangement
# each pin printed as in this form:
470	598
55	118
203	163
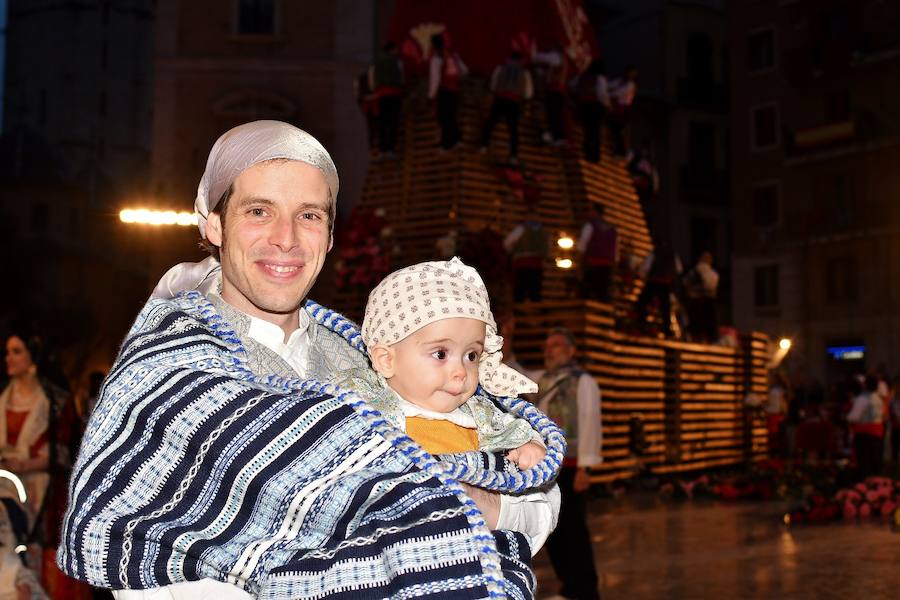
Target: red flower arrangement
364	250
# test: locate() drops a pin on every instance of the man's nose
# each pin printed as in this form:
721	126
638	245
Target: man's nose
283	233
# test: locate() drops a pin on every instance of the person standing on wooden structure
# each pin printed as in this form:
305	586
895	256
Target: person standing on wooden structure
445	72
386	80
553	65
598	244
621	91
593	104
528	248
701	287
570	397
511	84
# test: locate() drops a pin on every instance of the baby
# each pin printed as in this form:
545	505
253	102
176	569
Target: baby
432	339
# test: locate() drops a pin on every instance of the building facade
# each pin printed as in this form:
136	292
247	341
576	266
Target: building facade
680	117
815	144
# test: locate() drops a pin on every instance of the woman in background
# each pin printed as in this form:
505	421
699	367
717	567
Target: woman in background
39	435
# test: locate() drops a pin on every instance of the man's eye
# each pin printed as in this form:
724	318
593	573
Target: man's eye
439	354
312	216
257	212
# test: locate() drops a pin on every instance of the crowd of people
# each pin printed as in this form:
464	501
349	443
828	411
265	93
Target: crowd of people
544	75
855	419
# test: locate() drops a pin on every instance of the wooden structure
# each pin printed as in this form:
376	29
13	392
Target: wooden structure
690	397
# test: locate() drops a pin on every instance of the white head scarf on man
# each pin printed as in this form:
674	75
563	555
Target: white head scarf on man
411	298
234	152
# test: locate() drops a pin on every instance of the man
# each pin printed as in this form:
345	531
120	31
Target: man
527	246
386	81
570	396
217	465
598	244
511	85
592	103
621	91
700	286
555	69
445	73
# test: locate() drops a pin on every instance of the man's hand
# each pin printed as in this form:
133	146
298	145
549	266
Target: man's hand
487	502
582	480
527	455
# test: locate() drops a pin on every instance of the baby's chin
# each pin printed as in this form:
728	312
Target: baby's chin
444	402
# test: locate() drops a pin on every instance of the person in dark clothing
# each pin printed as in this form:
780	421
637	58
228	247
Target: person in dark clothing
445	72
554	65
368	106
511	84
386	79
598	245
528	247
592	101
661	269
622	91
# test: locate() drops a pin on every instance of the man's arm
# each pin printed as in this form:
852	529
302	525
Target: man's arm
590	431
487	502
534	515
434	76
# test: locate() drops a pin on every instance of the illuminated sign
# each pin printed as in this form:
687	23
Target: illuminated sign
846	352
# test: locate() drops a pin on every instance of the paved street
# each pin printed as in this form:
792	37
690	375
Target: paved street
705	549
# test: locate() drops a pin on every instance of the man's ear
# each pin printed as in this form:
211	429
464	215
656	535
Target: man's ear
214	229
382	359
330	241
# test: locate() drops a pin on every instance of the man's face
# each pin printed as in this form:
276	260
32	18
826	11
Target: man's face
557	351
275	238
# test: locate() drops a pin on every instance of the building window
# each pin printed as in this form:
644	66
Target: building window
256	17
764	126
837	107
765	205
702	146
761	50
40	217
765	286
699	60
840	280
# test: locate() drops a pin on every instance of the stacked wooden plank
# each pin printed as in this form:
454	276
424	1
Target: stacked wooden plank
689	397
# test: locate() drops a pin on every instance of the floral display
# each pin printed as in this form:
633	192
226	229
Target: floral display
364	249
814	493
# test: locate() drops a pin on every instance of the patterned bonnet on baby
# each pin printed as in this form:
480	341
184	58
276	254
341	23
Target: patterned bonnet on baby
411	298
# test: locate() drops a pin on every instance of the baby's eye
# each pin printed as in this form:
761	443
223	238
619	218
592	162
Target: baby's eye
439	354
472	356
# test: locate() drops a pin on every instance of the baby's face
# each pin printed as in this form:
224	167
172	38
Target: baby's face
437	366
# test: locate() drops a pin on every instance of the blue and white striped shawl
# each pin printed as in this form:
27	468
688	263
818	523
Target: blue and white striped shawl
193	466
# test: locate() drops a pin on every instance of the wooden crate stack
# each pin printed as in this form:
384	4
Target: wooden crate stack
690	397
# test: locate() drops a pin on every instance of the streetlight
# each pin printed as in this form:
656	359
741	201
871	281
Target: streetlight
146	216
784	346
